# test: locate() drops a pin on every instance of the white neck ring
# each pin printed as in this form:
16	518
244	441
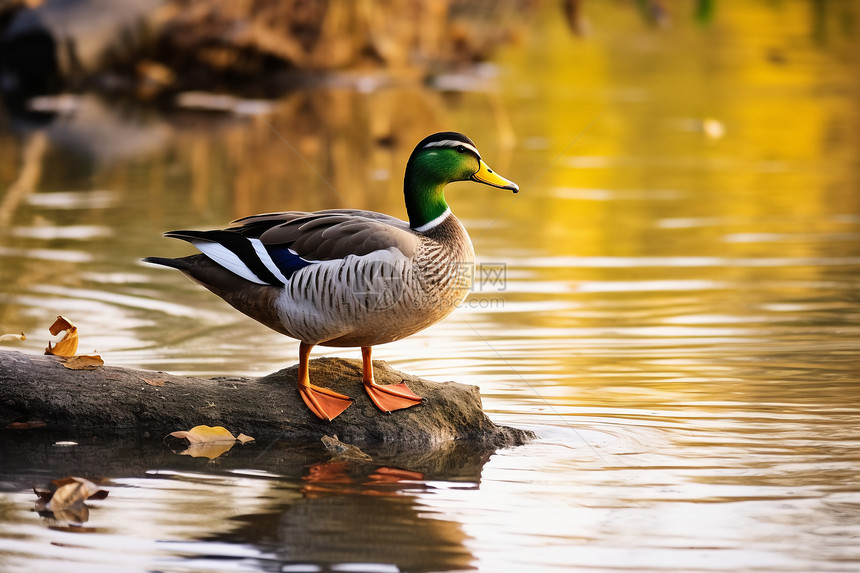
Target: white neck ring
435	222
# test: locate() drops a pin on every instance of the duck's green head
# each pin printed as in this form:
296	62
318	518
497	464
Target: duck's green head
437	160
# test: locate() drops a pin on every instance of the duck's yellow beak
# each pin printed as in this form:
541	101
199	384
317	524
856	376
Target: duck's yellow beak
487	176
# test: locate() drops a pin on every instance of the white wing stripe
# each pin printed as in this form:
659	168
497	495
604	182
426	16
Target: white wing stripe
227	259
266	259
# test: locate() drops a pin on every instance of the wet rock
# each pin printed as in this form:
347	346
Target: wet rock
344	452
111	399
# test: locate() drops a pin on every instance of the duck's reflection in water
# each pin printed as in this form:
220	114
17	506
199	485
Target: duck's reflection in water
359	512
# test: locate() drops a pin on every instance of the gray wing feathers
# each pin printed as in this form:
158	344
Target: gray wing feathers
282	217
335	235
287	216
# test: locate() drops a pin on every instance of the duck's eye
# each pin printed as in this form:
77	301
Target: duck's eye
461	149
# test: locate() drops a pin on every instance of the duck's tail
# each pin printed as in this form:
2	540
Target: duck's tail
257	301
164	261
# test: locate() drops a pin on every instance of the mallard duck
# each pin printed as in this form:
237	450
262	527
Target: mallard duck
345	277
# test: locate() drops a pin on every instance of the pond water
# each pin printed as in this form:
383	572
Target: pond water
671	304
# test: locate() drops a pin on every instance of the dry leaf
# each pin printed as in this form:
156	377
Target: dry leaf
60	325
209	450
68	345
44	494
28	425
13	337
94	491
75	514
83	362
68	495
98	495
66	502
208	441
72	490
205	434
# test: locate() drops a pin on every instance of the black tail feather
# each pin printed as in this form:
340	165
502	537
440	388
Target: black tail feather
194	235
164	261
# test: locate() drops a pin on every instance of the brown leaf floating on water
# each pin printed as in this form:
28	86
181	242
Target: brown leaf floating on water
44	494
68	345
65	500
98	495
68	495
91	490
76	514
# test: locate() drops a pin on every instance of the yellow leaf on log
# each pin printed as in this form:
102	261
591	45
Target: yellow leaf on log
83	362
68	345
60	325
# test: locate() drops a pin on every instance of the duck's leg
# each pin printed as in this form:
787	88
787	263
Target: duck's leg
390	396
324	403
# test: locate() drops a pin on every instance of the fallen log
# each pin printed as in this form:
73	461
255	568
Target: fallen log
109	399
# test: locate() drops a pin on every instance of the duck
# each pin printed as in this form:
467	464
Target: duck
350	277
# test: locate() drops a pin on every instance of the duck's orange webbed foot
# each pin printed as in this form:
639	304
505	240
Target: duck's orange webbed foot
389	397
392	396
324	403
